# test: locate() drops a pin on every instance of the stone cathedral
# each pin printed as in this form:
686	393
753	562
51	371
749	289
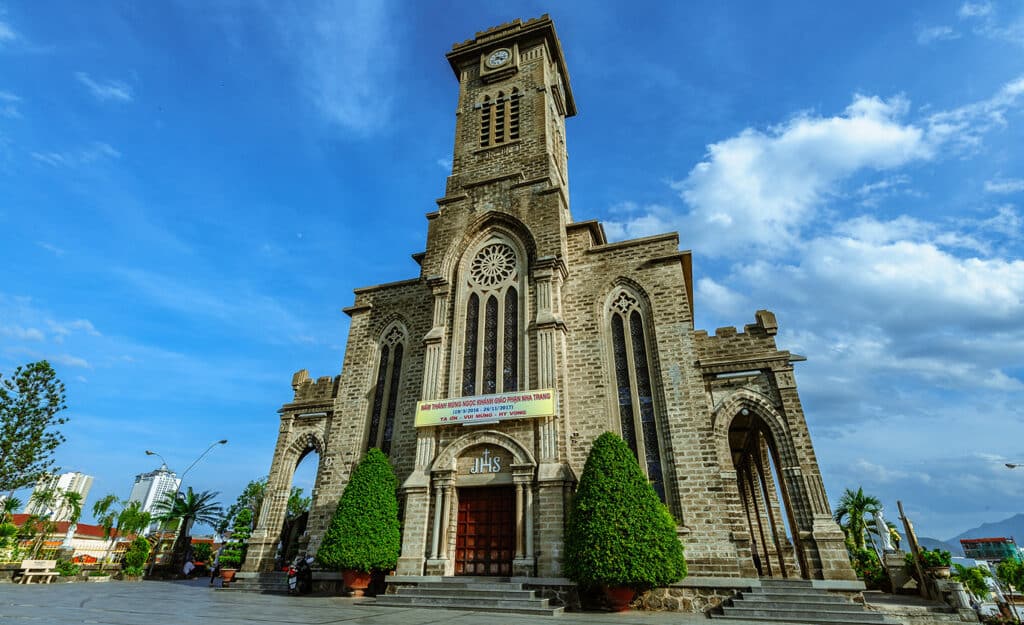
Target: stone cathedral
525	336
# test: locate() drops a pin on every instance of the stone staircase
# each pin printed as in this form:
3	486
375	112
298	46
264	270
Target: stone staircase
275	582
795	601
490	594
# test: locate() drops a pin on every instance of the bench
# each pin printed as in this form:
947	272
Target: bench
42	570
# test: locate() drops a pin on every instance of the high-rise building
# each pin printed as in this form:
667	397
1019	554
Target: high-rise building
58	509
153	487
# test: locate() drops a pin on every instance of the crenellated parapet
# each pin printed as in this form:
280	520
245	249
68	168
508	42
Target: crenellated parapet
754	348
325	388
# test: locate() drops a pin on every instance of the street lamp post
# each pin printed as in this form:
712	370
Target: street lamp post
177	489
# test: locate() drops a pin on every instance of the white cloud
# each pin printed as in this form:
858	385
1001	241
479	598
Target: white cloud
965	125
720	298
758	191
344	51
71	361
95	152
66	328
931	34
760	187
445	164
7	33
1005	185
53	249
975	9
106	89
23	334
9	105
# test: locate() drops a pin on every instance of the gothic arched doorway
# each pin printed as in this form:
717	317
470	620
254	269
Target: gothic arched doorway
767	508
293	539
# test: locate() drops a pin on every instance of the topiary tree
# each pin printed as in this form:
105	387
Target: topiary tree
364	534
619	533
234	552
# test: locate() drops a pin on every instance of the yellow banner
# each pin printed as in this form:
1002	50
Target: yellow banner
486	408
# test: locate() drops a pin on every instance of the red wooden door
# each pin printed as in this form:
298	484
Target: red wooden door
485	539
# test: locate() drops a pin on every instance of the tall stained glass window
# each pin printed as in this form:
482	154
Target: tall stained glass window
490	358
385	392
635	397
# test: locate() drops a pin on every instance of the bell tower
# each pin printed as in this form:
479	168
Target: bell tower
514	97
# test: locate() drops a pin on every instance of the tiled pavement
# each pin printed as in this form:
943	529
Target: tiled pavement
190	602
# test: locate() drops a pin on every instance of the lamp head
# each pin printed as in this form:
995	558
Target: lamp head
222	441
150	453
1011	465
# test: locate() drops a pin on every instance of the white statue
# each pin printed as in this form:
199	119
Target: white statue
883	532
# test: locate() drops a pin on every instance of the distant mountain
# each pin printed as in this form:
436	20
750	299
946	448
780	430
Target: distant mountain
1013	526
934	543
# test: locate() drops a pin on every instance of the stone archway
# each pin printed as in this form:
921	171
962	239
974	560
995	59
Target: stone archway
753	440
263	545
483	491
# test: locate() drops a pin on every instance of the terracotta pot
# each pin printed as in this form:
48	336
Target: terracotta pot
227	576
356	582
618	597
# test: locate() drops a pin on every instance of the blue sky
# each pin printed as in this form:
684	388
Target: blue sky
189	192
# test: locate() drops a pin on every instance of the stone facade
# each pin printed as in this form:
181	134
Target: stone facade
513	295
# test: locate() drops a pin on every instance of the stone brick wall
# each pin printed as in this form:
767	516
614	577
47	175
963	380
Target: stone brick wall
519	190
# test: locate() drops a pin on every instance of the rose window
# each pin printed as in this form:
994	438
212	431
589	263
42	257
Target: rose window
493	265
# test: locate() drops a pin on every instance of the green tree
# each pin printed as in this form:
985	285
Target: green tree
974	579
9	506
235	551
30	401
619	533
72	501
1011	572
123	516
850	513
364	534
136	556
187	509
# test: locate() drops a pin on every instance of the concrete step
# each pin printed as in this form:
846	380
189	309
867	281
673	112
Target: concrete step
802	606
449	603
805	616
813	620
471	585
786	597
436	600
469	593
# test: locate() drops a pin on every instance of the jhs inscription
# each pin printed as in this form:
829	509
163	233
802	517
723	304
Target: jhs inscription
486	463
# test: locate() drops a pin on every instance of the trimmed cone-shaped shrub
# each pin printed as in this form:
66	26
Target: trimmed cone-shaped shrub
234	552
619	532
364	534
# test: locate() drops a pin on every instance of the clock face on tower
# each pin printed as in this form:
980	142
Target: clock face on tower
498	58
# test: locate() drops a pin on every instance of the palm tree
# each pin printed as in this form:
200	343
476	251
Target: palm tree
186	510
106	517
72	502
853	506
7	509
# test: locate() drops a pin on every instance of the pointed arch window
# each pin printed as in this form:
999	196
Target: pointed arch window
385	395
634	395
490	359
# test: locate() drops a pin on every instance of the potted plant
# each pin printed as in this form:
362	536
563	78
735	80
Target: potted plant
233	556
936	562
135	559
620	537
98	576
364	535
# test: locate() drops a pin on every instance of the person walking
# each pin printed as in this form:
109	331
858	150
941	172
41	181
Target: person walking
215	566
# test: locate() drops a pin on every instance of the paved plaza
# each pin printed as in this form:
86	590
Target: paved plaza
187	602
